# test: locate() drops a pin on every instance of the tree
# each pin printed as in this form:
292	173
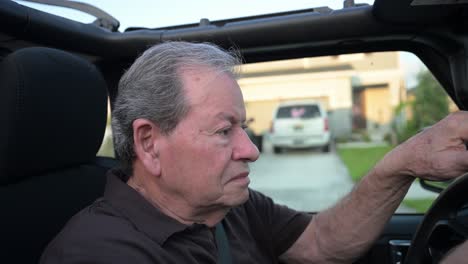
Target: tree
431	101
429	106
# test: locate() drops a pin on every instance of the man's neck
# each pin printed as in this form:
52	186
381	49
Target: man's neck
175	207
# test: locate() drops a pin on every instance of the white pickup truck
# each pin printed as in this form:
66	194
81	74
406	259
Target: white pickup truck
300	124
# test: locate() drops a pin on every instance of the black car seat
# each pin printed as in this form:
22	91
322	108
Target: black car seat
53	109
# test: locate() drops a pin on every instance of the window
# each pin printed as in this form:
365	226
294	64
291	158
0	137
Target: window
372	102
107	146
298	111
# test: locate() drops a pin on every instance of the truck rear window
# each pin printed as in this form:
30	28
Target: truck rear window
298	111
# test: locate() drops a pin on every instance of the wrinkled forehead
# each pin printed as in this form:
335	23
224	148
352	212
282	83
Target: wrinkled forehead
200	73
201	82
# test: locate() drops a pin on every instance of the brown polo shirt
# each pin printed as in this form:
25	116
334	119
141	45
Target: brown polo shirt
123	227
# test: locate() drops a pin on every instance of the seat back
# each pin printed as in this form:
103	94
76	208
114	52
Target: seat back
53	109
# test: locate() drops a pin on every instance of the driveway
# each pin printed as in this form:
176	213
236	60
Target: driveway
308	180
302	179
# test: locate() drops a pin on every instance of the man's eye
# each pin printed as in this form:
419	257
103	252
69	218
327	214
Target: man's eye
244	126
224	132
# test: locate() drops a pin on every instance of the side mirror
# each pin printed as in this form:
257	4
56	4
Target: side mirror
434	186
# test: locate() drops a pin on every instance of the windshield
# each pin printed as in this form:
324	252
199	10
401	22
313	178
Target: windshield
154	14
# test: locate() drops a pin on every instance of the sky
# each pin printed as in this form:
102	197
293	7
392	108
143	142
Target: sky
156	13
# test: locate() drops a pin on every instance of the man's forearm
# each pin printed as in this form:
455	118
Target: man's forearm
345	231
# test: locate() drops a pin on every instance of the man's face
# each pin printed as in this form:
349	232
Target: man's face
205	159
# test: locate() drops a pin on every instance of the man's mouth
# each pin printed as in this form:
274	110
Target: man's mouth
242	178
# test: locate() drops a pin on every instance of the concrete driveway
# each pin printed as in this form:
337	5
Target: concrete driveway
307	179
302	179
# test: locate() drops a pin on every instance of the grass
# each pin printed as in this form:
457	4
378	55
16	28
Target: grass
420	205
360	160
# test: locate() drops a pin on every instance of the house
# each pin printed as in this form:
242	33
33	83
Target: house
359	90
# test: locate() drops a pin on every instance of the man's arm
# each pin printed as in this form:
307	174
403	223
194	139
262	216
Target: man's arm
346	231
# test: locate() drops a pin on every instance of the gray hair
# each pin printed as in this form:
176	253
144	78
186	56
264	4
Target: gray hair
152	89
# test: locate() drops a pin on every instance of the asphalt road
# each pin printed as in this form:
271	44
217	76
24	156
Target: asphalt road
307	179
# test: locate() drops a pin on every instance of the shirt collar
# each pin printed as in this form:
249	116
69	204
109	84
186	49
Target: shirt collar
146	218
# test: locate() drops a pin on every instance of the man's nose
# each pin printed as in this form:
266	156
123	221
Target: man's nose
245	149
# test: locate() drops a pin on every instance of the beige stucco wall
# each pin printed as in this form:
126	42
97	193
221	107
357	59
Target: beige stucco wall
328	79
392	78
263	94
378	113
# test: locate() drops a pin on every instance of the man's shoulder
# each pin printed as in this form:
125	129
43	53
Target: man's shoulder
253	210
261	210
98	219
256	197
256	201
98	232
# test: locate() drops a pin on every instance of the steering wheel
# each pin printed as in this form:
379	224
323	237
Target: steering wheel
444	226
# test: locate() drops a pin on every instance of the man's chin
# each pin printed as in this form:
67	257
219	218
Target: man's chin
238	197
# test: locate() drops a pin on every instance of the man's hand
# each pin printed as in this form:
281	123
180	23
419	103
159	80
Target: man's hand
437	153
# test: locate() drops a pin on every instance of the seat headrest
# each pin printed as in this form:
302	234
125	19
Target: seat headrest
53	109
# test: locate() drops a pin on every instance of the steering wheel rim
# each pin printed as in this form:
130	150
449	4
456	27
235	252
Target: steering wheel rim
440	221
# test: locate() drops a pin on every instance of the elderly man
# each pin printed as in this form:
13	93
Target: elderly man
182	193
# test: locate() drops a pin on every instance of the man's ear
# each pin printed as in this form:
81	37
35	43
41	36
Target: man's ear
146	139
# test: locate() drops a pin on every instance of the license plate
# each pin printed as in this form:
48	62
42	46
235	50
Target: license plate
298	141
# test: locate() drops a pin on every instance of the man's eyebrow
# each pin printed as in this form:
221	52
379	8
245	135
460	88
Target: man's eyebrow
231	118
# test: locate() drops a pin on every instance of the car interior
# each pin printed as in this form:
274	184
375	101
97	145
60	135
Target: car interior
57	75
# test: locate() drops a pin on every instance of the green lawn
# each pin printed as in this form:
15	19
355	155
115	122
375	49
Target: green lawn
360	160
420	205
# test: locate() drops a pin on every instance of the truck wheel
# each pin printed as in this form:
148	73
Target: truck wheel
260	143
326	148
276	150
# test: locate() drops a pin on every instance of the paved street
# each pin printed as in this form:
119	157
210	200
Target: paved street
302	179
307	179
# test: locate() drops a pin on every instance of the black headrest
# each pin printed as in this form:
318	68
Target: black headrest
53	109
